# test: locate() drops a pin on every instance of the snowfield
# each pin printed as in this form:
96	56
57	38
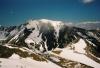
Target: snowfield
69	54
17	62
80	56
61	45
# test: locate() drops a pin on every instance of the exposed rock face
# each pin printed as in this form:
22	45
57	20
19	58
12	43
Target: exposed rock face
42	36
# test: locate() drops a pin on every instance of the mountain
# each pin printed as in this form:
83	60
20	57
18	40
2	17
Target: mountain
47	43
89	25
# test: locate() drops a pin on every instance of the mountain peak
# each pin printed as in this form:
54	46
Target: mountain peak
55	41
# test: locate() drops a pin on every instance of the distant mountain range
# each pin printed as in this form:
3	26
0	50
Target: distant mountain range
53	43
89	25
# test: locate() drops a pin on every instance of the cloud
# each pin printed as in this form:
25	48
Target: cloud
87	1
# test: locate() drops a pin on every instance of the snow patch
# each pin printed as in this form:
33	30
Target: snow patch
25	63
14	56
55	59
80	46
82	58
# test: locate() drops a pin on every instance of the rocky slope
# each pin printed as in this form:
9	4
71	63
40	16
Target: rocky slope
52	41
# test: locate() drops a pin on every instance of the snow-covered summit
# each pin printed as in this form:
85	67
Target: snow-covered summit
39	22
55	41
